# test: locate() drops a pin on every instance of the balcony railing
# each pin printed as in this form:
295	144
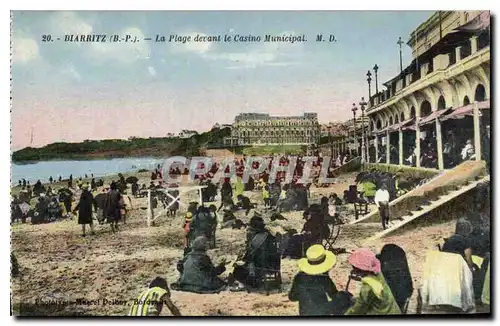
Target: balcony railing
425	69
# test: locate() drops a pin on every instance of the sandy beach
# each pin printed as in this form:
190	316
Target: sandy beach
107	271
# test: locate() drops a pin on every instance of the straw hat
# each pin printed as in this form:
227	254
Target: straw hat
189	216
365	260
85	186
318	260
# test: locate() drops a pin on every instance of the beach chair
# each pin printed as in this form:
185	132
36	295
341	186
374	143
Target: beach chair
270	278
332	237
352	194
397	274
343	300
360	208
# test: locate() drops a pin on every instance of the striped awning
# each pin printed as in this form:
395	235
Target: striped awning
396	126
466	110
432	117
381	131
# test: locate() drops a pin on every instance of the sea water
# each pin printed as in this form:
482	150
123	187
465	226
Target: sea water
44	169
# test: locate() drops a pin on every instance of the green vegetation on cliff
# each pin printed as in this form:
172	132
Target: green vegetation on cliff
111	148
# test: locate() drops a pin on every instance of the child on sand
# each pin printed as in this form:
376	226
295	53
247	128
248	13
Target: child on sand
186	226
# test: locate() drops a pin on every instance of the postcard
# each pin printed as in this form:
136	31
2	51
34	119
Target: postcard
250	163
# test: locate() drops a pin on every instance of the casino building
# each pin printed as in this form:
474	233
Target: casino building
254	129
440	103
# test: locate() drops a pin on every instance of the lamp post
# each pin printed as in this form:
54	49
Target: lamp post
369	80
329	128
375	69
400	42
354	109
362	105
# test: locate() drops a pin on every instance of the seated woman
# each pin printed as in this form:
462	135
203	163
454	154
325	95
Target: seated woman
460	243
375	296
202	224
198	273
261	254
312	286
471	246
313	232
334	199
332	216
244	203
315	228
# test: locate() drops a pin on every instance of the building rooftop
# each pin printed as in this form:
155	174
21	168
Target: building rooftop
258	116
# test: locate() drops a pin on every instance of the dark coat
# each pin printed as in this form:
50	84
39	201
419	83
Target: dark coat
84	207
200	275
317	228
226	190
112	206
261	250
311	292
261	256
203	224
245	203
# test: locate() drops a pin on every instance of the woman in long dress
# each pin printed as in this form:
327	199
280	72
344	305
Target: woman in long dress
84	209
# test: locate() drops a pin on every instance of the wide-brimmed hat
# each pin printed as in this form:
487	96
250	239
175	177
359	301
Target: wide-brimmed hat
189	216
85	186
365	260
257	222
317	261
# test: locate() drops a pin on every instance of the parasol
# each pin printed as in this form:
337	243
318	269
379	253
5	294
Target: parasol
131	179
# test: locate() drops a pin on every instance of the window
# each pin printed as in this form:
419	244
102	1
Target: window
480	93
441	103
465	50
483	40
425	109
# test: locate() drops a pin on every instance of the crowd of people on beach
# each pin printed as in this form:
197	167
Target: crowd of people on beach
385	283
385	279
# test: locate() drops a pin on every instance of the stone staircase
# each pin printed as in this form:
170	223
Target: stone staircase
400	221
420	201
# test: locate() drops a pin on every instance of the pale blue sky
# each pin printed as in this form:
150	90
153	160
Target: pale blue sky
168	87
